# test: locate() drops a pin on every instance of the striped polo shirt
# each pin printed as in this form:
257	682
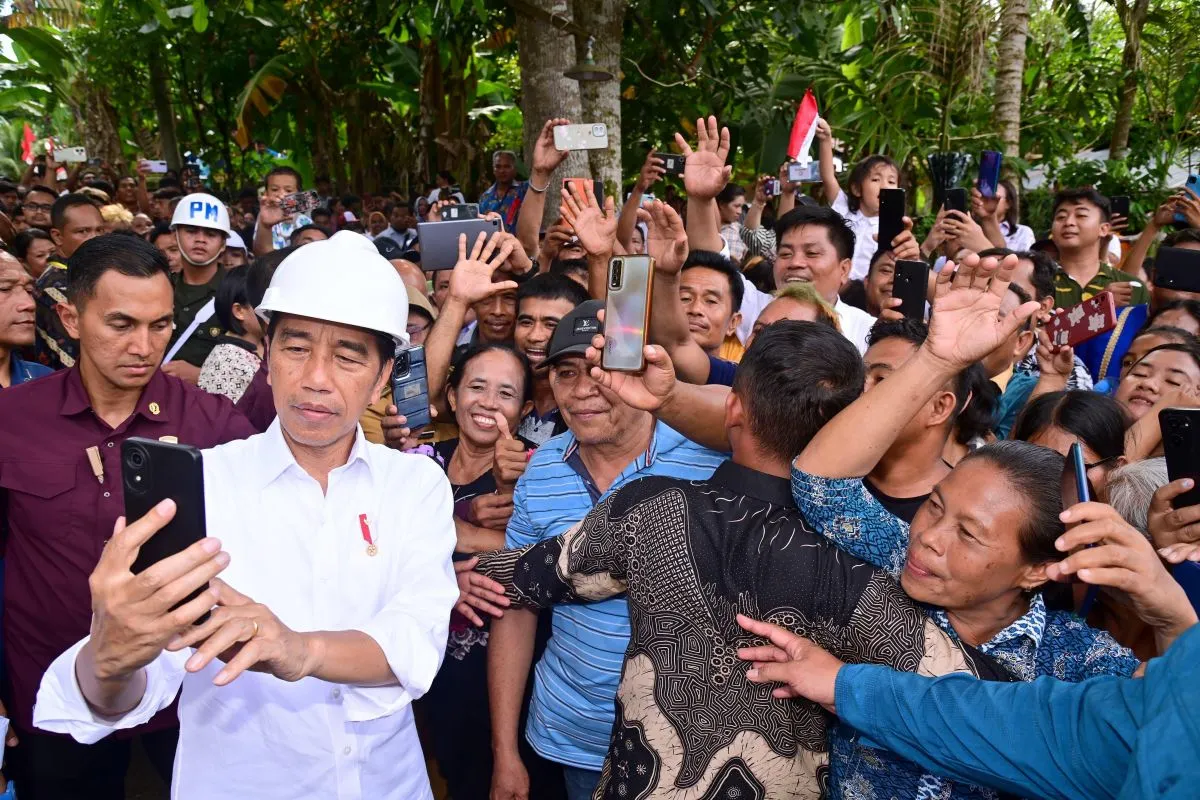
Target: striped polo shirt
575	682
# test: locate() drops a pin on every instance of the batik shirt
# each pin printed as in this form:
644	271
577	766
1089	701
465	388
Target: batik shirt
54	346
690	556
1040	642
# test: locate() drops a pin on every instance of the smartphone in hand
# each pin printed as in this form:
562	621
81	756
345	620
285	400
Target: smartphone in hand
1177	269
153	471
627	312
910	283
1120	206
1072	326
1075	486
891	217
589	136
461	211
673	163
1181	445
439	240
956	200
989	172
410	386
1193	186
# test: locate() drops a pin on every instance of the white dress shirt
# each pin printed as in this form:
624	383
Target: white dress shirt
865	230
855	322
303	554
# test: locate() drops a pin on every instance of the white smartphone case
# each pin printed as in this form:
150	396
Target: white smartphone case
589	136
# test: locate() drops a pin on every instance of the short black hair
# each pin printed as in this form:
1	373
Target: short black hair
794	378
8	187
731	191
719	263
1187	235
349	200
915	332
289	171
1044	270
569	266
166	193
310	227
549	286
454	379
823	216
128	255
160	229
1082	194
248	191
977	400
385	345
321	211
1035	474
860	173
43	189
58	212
1189	307
25	239
1093	418
102	185
231	290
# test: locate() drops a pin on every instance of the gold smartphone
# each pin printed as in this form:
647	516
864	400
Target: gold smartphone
627	312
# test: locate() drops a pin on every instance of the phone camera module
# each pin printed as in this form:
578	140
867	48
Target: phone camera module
598	131
615	275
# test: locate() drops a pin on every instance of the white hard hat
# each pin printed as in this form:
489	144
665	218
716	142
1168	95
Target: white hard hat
202	211
234	242
342	279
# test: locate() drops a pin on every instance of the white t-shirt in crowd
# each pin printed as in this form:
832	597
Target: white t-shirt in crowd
865	230
855	322
1018	239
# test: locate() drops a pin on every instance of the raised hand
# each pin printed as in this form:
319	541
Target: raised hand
647	390
435	211
1170	526
802	667
966	324
824	133
652	172
595	227
705	172
1056	361
471	279
556	236
1188	204
510	459
492	511
983	207
547	157
666	239
270	213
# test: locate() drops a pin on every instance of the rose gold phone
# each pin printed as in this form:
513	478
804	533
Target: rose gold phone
627	312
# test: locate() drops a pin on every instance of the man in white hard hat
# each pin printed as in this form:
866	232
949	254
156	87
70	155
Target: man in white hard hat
333	606
201	226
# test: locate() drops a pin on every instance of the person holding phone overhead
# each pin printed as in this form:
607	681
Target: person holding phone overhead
337	586
61	493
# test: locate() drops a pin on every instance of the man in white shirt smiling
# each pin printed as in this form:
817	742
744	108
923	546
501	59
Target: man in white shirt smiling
344	547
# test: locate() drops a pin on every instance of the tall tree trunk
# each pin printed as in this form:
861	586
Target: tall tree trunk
601	100
1133	20
161	94
545	53
1010	73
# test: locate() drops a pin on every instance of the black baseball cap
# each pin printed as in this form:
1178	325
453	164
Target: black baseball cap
388	248
574	333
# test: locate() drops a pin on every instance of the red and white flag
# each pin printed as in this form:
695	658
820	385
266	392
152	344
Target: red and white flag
804	128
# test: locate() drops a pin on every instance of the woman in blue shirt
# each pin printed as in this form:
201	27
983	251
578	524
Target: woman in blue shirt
980	547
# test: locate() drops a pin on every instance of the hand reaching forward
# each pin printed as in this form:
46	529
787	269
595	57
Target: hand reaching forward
802	667
705	172
595	227
471	279
547	157
666	239
966	324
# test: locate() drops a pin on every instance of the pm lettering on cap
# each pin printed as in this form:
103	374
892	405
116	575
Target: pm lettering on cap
587	325
199	207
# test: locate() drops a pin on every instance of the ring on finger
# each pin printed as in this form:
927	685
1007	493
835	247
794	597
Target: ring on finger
255	624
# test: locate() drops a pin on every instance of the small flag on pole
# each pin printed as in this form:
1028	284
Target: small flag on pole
804	128
27	140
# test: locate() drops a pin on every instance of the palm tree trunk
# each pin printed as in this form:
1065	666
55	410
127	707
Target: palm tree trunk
545	53
161	94
1133	20
1010	73
601	100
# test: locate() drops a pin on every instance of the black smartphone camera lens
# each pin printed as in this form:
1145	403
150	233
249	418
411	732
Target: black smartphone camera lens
135	458
615	274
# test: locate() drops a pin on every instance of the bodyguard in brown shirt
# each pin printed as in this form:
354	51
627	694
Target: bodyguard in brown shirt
61	493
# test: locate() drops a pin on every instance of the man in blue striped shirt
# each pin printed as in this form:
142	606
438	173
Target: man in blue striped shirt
607	445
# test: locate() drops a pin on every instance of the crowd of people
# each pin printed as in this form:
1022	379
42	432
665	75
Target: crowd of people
815	547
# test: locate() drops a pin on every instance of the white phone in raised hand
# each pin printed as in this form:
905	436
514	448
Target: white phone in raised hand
589	136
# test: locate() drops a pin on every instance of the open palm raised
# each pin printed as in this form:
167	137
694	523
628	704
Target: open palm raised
966	323
705	173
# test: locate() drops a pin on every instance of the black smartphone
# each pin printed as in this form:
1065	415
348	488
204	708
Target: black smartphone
956	200
1120	206
410	386
910	283
1181	445
771	187
439	240
152	471
891	216
1177	269
673	163
460	211
39	166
